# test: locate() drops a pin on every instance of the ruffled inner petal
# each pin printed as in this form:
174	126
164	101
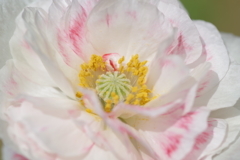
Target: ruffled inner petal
52	135
119	24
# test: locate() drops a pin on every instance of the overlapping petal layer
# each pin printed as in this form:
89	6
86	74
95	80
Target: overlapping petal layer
188	76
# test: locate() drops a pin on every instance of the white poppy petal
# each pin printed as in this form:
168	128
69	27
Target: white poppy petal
131	110
48	111
216	54
232	43
173	71
8	12
53	135
208	142
116	125
231	116
225	94
172	137
9	154
56	106
187	43
119	23
14	83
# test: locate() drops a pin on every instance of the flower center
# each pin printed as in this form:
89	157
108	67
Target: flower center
113	82
125	84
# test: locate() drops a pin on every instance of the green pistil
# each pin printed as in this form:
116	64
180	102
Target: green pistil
113	82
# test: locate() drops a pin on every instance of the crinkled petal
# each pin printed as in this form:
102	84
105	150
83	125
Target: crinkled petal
53	135
103	138
55	106
176	82
119	128
173	71
214	52
208	142
68	26
14	83
40	47
8	12
9	154
103	143
119	24
228	148
225	94
175	137
187	41
126	111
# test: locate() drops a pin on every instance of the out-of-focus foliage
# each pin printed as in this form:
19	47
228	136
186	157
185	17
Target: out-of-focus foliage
225	14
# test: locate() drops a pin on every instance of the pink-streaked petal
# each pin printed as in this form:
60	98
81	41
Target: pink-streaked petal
175	82
231	116
69	28
34	21
116	125
168	117
55	106
90	120
130	110
9	154
103	139
26	145
173	70
60	79
154	70
127	131
37	18
207	143
53	135
185	90
40	46
91	101
215	52
119	24
14	83
93	126
25	59
225	94
175	141
187	43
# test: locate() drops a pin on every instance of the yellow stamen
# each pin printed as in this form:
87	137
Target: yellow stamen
108	105
132	73
136	102
134	89
121	60
95	63
116	99
89	110
79	94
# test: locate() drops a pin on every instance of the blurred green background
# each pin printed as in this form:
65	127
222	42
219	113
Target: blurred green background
224	14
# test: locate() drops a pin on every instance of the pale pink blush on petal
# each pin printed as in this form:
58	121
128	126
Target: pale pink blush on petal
76	32
19	157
